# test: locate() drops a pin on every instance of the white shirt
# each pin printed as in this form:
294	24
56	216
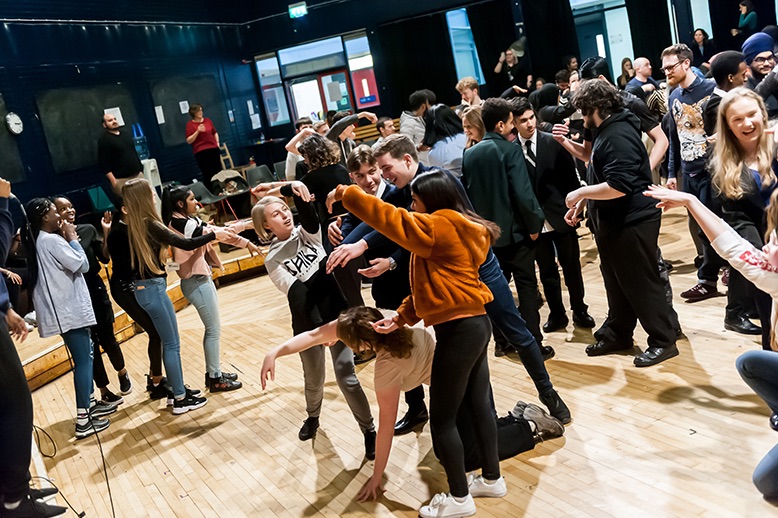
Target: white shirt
534	139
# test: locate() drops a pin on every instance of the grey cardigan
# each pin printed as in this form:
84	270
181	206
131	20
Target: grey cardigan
60	296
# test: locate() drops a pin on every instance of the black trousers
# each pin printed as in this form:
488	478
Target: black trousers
125	298
210	163
460	374
102	333
635	291
562	245
514	436
700	186
518	260
15	421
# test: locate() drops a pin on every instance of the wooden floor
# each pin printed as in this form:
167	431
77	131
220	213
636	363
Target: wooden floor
679	439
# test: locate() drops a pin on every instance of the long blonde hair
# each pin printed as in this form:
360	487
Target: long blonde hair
141	212
730	175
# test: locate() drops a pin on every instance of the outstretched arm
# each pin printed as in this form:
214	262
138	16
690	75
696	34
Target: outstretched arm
321	335
388	401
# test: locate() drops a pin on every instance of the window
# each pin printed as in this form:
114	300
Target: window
273	95
360	63
312	57
463	46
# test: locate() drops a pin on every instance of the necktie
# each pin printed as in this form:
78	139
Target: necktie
529	155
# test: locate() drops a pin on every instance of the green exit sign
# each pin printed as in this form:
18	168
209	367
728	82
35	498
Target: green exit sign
298	10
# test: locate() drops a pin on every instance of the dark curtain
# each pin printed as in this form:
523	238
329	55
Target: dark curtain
493	31
417	54
551	35
649	23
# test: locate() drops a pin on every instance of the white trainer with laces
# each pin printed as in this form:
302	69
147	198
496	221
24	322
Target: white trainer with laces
478	486
444	505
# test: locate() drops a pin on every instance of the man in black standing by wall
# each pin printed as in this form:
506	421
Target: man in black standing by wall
625	225
116	155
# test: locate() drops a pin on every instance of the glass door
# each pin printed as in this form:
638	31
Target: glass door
306	97
335	90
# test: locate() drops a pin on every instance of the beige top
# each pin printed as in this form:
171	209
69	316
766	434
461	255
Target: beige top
407	373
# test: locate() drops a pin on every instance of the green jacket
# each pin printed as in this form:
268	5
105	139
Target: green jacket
496	179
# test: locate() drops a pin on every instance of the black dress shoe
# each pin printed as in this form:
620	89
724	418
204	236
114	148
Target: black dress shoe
501	350
308	431
556	407
654	355
583	319
547	351
411	423
555	324
602	347
742	325
774	421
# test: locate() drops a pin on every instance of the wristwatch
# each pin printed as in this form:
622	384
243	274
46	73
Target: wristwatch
392	264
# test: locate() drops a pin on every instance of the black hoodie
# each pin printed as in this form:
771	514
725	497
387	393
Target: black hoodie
620	159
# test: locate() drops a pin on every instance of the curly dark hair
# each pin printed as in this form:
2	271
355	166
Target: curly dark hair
598	95
319	151
355	330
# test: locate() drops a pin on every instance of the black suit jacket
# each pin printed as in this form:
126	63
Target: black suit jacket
747	215
553	177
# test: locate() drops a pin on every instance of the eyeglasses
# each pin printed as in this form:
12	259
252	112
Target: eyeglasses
763	60
669	68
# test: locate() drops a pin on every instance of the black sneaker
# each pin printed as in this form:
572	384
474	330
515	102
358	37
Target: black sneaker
31	508
150	383
230	376
189	402
125	385
308	430
102	408
370	445
189	393
222	384
158	392
556	407
86	426
42	492
111	398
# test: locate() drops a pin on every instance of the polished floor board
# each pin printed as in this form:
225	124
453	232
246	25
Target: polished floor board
679	439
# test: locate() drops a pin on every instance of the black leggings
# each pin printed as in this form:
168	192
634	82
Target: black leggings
125	298
15	421
460	374
102	333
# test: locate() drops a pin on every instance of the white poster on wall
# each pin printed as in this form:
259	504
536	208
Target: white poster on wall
184	106
160	114
116	112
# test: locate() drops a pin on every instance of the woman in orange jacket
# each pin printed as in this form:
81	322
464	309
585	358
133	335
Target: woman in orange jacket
448	242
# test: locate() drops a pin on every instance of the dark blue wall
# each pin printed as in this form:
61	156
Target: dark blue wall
46	44
43	56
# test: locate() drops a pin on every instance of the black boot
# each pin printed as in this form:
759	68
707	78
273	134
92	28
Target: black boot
412	422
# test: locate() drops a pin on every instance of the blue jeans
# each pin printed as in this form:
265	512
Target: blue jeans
759	369
506	318
200	291
152	296
79	344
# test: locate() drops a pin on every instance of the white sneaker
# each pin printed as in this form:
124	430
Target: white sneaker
445	506
478	486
